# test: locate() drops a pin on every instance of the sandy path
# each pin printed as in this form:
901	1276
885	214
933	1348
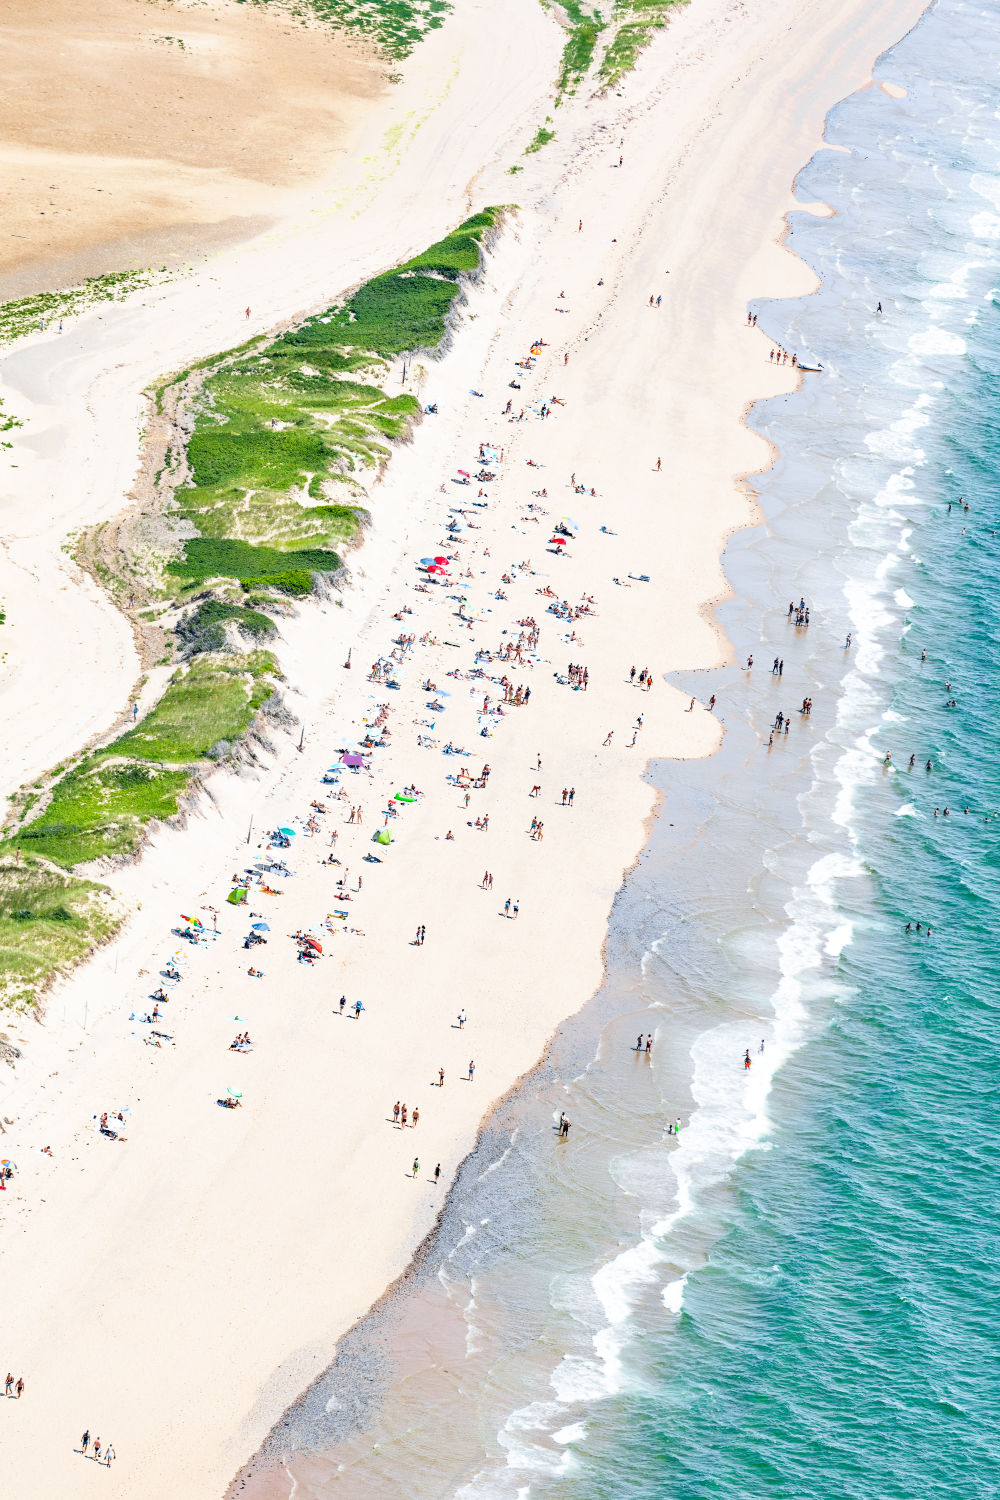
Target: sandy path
216	1256
411	175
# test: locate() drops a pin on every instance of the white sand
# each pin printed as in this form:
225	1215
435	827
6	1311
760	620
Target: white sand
176	1291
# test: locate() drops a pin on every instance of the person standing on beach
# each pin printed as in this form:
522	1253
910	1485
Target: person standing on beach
440	1078
437	1174
638	1042
659	465
248	312
416	1117
472	1070
462	1018
416	1167
19	1388
649	1045
395	1113
85	1441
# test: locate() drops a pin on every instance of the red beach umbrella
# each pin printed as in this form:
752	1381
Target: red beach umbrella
442	562
558	541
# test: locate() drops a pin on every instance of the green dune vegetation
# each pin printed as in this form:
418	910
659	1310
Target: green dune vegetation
28	314
393	26
49	920
283	435
287	433
635	22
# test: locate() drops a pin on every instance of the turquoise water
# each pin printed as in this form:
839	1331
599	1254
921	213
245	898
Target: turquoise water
842	1339
795	1297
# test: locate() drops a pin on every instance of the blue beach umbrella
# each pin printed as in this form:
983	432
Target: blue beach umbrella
261	926
289	833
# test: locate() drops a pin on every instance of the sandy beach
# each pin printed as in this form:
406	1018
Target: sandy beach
91	184
173	1292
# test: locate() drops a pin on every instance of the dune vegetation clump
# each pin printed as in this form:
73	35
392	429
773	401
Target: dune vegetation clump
288	433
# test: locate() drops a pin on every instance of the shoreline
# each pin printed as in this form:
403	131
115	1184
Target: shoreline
625	800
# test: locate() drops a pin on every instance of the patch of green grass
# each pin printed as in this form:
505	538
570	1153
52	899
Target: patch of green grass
48	921
542	138
205	628
393	26
252	567
27	314
103	805
281	427
578	50
635	23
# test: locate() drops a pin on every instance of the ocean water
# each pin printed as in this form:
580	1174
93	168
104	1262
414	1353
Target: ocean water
797	1295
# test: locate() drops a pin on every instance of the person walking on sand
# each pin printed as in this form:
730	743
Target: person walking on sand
19	1388
404	1116
472	1070
416	1117
109	1454
659	465
506	908
85	1441
248	312
358	1008
395	1113
97	1449
343	1002
609	737
437	1174
711	704
440	1078
462	1018
8	1384
415	1171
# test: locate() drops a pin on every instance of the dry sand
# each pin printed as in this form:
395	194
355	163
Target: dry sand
138	132
175	1292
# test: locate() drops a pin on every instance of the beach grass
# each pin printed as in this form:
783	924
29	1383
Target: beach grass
28	314
101	806
393	26
49	920
286	432
578	50
541	138
635	24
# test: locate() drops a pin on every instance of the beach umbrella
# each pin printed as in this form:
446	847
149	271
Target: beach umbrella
234	1093
261	926
289	833
311	942
465	473
425	562
438	572
558	541
442	562
568	525
353	759
195	921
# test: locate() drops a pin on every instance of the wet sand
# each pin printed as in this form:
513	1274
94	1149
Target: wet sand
136	133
